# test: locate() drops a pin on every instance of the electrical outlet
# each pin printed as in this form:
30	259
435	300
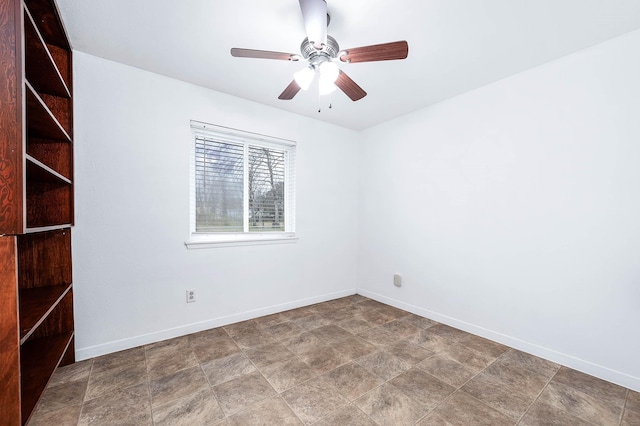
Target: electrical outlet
397	280
191	296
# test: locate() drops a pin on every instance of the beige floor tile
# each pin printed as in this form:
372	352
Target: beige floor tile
409	352
268	354
387	405
163	363
371	304
289	373
240	327
447	370
448	332
167	347
312	364
543	414
253	338
383	364
353	380
507	400
63	395
105	381
379	336
516	376
422	387
430	341
633	401
311	322
581	405
331	333
200	408
463	409
177	386
483	345
211	345
118	359
354	325
303	342
228	368
271	411
270	320
314	399
284	331
400	328
126	407
348	415
433	419
65	416
592	386
241	393
418	321
375	318
354	347
324	359
470	358
76	372
630	418
393	312
529	362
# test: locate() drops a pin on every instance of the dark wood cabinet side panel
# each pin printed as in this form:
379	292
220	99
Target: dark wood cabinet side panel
9	342
11	112
45	259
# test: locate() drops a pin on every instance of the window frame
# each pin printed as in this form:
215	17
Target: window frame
235	136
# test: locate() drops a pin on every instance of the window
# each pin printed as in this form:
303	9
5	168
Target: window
242	187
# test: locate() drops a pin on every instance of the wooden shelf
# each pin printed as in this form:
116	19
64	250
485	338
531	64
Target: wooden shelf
46	228
36	304
45	14
38	369
41	122
40	66
36	204
40	172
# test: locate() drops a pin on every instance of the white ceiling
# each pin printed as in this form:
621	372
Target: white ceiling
454	45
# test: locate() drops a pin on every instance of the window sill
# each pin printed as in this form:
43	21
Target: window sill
203	242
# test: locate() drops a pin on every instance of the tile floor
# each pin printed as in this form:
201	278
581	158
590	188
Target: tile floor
350	361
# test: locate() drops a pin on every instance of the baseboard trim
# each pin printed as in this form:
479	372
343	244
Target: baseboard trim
570	361
157	336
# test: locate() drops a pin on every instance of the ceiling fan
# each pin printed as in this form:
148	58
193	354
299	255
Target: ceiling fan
322	52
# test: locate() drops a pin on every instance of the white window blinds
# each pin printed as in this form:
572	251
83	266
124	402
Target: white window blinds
241	182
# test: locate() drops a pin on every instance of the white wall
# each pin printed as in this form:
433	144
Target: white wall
131	268
513	211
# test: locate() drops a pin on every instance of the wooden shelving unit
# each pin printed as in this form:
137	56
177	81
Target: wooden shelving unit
36	209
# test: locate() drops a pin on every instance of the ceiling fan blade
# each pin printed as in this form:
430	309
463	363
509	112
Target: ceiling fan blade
291	90
350	87
263	54
377	52
314	14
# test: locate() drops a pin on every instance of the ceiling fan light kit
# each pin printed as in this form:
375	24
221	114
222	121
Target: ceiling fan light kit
320	50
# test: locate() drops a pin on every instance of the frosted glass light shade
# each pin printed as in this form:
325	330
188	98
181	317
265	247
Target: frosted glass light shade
326	85
329	71
304	77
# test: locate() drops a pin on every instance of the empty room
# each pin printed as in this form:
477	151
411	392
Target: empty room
319	212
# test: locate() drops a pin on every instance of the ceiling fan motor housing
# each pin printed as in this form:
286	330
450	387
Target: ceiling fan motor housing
315	56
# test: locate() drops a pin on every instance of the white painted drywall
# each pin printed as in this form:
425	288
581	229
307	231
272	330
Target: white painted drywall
131	268
513	211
